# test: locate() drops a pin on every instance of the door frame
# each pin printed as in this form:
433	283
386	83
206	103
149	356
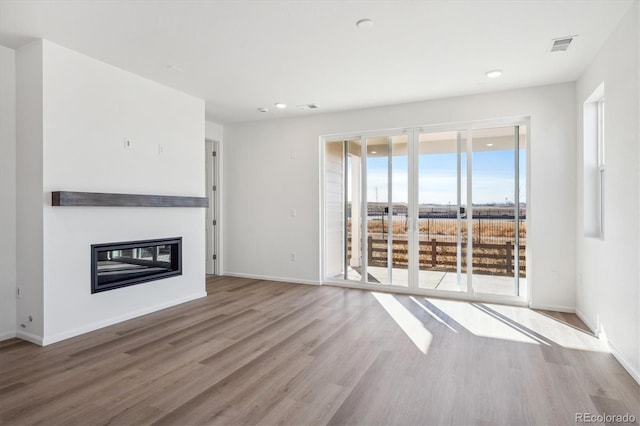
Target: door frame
413	132
212	232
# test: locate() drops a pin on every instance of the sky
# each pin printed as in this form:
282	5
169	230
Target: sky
493	178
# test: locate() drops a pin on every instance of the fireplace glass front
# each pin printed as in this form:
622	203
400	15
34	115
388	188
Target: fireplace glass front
116	265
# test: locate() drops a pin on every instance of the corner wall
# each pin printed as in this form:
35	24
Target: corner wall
263	182
8	193
608	270
87	110
29	196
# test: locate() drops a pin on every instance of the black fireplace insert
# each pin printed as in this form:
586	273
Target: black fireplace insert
116	265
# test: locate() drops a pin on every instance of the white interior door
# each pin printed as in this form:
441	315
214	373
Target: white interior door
211	223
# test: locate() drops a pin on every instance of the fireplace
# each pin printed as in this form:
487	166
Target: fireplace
116	265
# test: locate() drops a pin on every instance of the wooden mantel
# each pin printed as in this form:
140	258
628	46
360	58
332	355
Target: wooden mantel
70	198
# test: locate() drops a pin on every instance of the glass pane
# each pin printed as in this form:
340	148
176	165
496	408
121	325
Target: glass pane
378	209
353	206
123	264
387	210
400	211
494	211
342	189
464	209
440	208
522	189
117	265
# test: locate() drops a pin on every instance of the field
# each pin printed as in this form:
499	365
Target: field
484	230
493	243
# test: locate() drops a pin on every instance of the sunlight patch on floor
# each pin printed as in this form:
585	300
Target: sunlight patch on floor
552	329
427	310
412	327
480	323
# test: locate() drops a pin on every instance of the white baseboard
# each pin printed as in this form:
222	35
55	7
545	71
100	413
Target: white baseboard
623	361
593	327
612	348
270	278
556	308
7	335
29	337
101	324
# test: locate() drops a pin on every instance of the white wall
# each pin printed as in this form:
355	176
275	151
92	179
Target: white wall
8	193
608	290
213	131
29	196
88	109
263	183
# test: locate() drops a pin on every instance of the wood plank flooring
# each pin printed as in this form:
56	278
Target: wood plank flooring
263	352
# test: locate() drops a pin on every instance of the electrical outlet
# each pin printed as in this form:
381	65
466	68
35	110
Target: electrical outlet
292	257
127	143
160	149
293	212
293	155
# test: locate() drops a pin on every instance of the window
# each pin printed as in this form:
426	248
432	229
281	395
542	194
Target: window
594	164
601	171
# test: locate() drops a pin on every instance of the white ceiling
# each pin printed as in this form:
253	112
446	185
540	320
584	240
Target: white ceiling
241	55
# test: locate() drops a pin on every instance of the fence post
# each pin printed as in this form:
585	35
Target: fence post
509	258
369	250
434	253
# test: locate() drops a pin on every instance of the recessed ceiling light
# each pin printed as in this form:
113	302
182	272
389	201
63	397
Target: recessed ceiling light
494	73
263	109
280	105
364	23
374	152
489	144
174	68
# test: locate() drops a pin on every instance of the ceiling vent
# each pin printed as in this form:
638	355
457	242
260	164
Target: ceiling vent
561	44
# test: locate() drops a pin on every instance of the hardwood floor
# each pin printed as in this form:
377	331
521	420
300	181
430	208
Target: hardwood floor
261	352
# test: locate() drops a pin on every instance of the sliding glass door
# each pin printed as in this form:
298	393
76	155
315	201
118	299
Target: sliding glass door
342	209
441	177
366	209
433	211
498	213
387	179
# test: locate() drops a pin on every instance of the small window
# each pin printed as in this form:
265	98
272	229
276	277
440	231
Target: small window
594	164
601	166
